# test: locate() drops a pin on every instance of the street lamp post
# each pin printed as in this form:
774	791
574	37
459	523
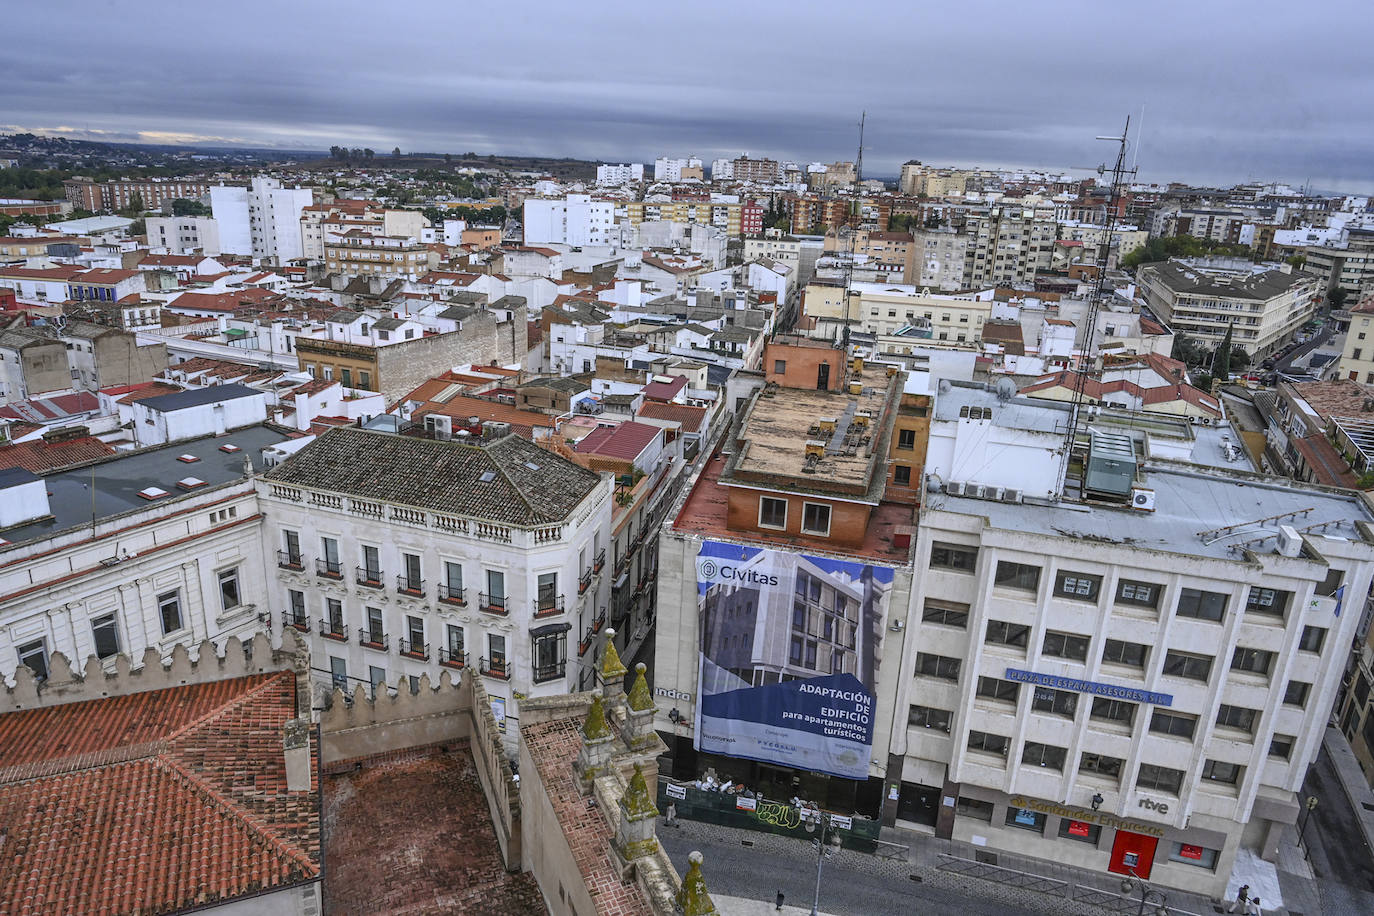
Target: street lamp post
826	842
1149	896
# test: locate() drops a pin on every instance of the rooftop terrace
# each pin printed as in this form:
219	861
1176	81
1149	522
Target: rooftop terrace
1198	513
410	832
817	439
706	508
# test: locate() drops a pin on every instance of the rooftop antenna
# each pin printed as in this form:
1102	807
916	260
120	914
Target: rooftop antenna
855	208
1088	357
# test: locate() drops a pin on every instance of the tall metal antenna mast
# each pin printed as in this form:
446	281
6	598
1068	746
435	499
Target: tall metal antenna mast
854	214
1099	295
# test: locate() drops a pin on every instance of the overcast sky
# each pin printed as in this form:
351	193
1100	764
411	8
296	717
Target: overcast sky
1231	91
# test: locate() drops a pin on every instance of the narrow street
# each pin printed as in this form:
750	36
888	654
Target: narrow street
1341	859
853	883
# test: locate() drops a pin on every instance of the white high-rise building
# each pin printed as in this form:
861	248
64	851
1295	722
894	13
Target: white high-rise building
263	220
722	169
614	175
574	220
671	169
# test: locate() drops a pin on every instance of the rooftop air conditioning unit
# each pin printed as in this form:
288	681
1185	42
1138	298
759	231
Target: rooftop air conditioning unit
815	447
1011	496
954	489
1143	499
973	491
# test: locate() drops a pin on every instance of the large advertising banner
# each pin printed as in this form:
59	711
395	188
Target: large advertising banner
789	653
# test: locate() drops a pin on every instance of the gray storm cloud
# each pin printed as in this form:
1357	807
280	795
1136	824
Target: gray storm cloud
1231	92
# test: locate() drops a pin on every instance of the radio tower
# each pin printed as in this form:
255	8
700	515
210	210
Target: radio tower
856	210
1119	173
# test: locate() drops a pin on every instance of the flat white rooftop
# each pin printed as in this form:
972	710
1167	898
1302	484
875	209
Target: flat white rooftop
1188	503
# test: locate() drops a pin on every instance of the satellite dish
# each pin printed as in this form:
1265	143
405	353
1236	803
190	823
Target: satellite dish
944	386
1006	389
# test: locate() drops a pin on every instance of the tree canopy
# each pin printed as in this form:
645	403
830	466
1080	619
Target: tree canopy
1181	246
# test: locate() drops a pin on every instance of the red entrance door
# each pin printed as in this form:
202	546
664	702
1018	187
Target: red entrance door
1133	854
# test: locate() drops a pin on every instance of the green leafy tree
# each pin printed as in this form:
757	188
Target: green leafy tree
1298	261
1188	351
368	153
1337	297
1240	360
396	153
184	207
1221	359
1180	246
136	202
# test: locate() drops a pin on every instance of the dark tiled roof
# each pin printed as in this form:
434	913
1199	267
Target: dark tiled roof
443	476
41	456
153	802
195	397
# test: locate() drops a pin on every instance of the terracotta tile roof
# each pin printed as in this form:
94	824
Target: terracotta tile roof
1098	390
626	440
1339	398
665	391
171	260
153	802
40	273
52	407
40	456
1327	466
461	407
105	275
690	417
149	390
221	302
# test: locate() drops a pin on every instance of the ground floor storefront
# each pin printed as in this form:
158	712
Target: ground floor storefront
831	793
1197	858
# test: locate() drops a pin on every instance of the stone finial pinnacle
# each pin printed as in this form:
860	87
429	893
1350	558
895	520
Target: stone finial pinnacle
640	698
693	900
612	668
596	728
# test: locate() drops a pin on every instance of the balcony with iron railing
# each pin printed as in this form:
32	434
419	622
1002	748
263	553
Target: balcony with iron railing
493	604
448	594
288	560
333	630
414	588
450	659
372	578
329	569
371	640
495	667
600	562
585	582
550	672
299	621
548	605
415	650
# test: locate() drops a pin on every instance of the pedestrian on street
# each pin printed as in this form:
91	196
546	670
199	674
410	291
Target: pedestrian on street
1253	908
1242	901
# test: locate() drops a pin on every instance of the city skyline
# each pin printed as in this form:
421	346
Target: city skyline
1021	91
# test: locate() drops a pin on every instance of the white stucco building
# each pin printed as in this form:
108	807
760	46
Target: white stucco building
1132	678
609	175
262	220
209	411
402	556
575	220
149	550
